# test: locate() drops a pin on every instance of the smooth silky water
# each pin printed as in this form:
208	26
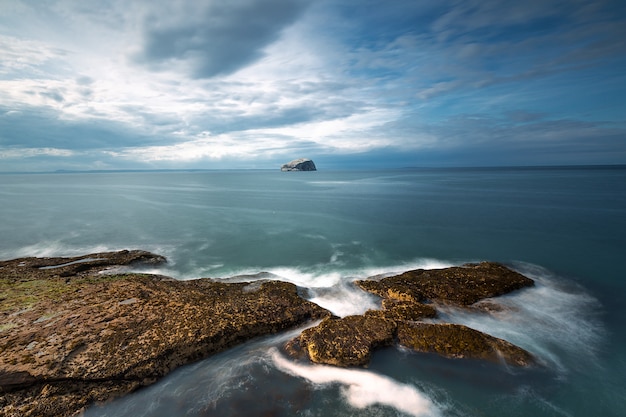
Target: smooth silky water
563	227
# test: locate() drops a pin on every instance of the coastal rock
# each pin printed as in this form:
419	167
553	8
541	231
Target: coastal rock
462	285
343	342
302	164
74	331
458	341
351	340
403	311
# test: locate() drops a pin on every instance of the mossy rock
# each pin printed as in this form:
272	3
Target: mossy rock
462	285
403	311
71	335
348	341
406	303
458	341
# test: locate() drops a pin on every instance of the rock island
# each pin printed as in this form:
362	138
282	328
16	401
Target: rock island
302	164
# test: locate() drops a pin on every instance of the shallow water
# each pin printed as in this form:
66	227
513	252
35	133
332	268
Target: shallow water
565	228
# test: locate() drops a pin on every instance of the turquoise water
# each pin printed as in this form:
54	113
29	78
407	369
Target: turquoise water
565	227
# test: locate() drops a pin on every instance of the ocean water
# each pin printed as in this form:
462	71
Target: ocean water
563	227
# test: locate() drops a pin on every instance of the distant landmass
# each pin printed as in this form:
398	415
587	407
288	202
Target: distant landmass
302	164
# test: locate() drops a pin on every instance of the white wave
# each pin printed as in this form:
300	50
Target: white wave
420	263
331	289
325	285
362	388
56	248
554	319
344	300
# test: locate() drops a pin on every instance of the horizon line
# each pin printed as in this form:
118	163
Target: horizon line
460	167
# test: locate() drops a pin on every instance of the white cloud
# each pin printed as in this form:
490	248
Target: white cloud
328	78
34	152
206	147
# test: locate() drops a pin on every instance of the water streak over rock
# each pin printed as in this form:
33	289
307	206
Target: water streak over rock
351	340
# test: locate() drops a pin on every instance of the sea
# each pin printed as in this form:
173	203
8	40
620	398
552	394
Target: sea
564	227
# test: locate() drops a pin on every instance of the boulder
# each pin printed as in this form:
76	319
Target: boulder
71	335
458	341
462	285
302	164
351	340
348	341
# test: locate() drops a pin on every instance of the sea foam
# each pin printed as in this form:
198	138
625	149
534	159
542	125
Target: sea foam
335	290
362	388
555	319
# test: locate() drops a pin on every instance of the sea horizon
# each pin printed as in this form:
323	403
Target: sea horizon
331	169
321	230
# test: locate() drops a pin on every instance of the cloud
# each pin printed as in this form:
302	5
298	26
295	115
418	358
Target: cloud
40	128
216	39
249	83
471	45
27	58
34	152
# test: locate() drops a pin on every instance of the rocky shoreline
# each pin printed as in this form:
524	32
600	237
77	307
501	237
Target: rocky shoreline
76	331
408	299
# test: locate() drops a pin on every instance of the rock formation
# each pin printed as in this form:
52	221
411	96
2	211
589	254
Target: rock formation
302	164
343	342
349	341
74	331
458	341
462	285
71	336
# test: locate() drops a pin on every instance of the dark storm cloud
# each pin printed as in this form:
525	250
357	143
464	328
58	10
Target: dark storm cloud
219	38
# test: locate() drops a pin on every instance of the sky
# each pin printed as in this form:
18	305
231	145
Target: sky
215	84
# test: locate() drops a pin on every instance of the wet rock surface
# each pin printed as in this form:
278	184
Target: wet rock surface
348	341
458	341
461	285
74	331
71	334
408	299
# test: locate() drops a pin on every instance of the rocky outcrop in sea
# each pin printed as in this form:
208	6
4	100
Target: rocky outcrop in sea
75	331
408	299
302	164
